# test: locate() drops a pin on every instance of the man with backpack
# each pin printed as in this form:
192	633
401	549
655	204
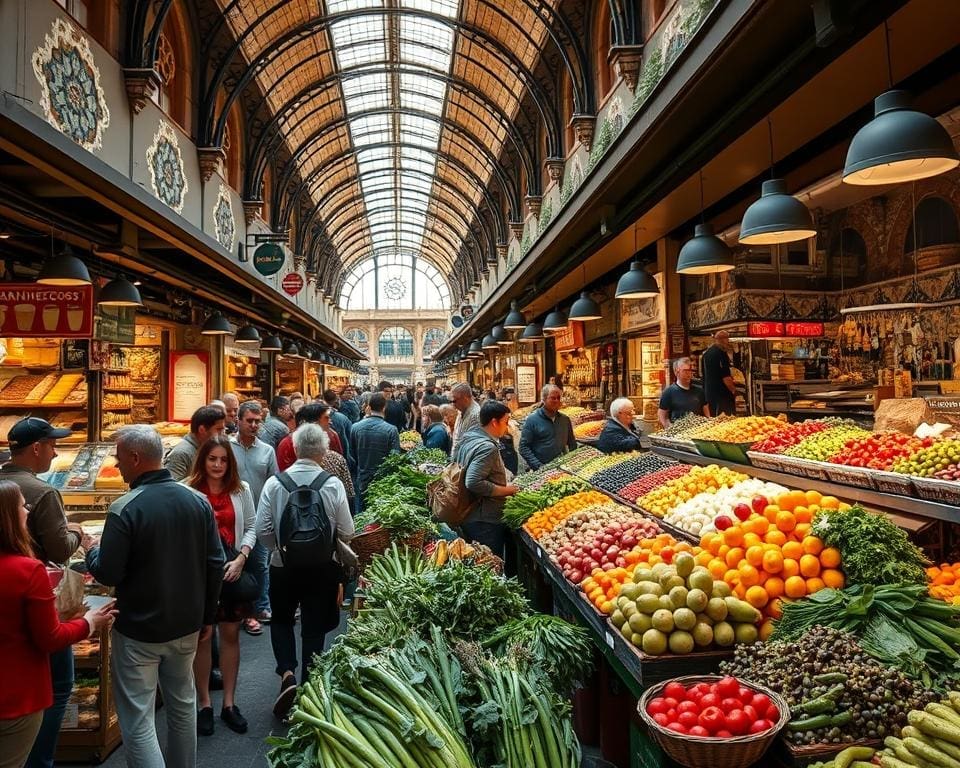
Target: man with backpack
304	521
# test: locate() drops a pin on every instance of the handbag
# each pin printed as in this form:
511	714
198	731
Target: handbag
246	589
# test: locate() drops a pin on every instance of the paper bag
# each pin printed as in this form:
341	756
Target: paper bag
901	415
67	591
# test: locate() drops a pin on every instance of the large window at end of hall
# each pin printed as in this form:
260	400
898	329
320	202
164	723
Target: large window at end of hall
395	281
395	342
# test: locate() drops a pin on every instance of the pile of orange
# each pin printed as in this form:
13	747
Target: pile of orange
774	556
602	587
547	519
945	582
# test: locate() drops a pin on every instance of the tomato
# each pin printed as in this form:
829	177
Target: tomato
710	700
671	715
742	511
672	702
675	691
760	702
744	694
772	713
737	722
712	719
728	686
661	719
688	719
730	703
750	712
688	706
759	726
723	733
700	688
722	522
699	730
678	727
658	706
759	503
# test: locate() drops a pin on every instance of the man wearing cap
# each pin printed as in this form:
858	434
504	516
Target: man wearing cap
33	446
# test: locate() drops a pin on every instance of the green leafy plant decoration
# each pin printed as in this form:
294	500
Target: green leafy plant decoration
698	12
652	72
601	143
525	244
546	214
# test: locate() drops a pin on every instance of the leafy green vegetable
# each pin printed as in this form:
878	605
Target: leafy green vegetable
873	549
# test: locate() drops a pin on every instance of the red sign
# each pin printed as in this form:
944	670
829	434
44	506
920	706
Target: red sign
768	329
33	309
292	283
569	338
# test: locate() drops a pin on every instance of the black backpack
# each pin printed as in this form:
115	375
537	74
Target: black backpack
305	537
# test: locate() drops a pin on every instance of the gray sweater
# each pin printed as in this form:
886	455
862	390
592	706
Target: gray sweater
479	454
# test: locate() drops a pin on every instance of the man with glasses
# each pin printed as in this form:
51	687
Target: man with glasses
619	434
683	397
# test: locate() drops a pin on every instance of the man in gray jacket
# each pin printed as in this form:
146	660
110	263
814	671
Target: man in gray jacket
207	421
547	433
478	452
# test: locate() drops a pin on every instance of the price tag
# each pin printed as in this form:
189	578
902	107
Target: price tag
609	638
539	553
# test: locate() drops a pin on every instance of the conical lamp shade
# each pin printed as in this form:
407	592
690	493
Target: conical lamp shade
585	308
704	253
532	334
291	350
776	217
247	335
489	342
501	336
476	348
514	320
899	144
216	325
271	343
120	292
637	283
64	269
556	321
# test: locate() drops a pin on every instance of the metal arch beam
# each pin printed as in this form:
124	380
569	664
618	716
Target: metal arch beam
212	135
141	47
256	160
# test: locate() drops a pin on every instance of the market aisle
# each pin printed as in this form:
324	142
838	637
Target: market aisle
257	689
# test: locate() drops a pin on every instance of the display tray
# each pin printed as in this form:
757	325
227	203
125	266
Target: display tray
793	755
893	482
861	477
772	461
735	452
932	489
817	470
699	663
674	443
707	448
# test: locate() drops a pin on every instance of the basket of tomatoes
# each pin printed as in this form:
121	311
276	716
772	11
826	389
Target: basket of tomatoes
709	720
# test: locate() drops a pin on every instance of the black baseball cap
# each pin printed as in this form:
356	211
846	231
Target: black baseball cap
32	429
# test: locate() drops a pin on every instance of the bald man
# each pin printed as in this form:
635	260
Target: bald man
718	383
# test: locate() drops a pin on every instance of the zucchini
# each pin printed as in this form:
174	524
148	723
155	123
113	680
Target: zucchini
809	723
889	761
944	712
934	726
929	754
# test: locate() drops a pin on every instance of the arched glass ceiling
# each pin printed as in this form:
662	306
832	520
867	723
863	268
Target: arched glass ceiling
397	280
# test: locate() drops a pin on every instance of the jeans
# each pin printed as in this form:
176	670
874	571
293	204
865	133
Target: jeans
16	738
137	669
314	591
492	534
261	571
61	674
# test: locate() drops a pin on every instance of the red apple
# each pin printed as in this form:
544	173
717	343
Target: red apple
722	522
759	503
742	511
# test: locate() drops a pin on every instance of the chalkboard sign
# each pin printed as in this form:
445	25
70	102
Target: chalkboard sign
75	353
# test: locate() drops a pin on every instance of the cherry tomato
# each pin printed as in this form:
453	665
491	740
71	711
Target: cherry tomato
711	700
744	694
750	712
672	702
688	719
731	702
699	730
688	706
723	733
678	727
772	713
760	702
659	705
759	726
661	719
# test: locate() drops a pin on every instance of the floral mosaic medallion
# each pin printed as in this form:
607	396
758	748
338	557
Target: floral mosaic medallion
165	163
71	97
225	226
395	288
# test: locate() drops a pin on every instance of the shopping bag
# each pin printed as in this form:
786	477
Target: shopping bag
67	587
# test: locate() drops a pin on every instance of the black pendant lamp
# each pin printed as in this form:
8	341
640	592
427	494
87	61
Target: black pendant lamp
776	217
216	325
532	334
637	283
291	350
120	292
271	343
489	342
64	269
556	321
704	253
501	336
476	349
247	334
899	144
514	320
585	308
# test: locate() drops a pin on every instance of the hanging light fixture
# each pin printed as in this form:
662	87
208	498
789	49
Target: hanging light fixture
705	253
291	350
271	343
637	284
514	320
476	349
120	292
247	334
501	336
532	334
216	325
556	321
64	269
776	217
585	308
489	342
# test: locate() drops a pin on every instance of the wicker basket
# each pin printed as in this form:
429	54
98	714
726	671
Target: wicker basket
893	482
701	751
769	461
934	489
860	477
413	541
366	545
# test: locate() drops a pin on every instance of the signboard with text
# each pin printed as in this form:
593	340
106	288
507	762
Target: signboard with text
638	313
569	338
268	259
189	383
799	329
527	390
33	309
116	324
292	284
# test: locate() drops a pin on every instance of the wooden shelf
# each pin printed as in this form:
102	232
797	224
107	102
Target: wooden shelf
43	405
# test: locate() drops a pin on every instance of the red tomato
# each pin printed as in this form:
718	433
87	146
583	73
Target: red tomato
659	705
728	687
750	712
675	691
772	713
678	727
760	702
661	719
710	700
737	722
699	730
722	522
687	719
688	706
671	715
671	702
700	688
744	694
723	733
759	726
731	702
712	719
742	511
759	503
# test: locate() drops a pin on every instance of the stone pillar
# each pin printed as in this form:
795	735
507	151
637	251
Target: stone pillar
671	297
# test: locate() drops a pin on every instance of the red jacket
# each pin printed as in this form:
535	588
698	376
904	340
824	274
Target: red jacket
29	633
286	455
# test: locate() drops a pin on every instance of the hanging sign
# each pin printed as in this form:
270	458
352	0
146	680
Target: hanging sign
268	259
569	338
117	325
292	284
33	309
767	328
527	389
188	384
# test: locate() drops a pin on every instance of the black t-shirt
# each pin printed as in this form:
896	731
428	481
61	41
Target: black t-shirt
395	414
677	401
716	367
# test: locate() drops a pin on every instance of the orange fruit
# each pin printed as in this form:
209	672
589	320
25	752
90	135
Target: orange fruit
814	585
795	586
833	578
734	556
830	557
813	497
705	540
751	540
717	568
701	558
773	561
766	629
774	608
757	596
809	566
732	576
754	556
749	576
716	541
802	514
812	545
790	568
733	536
801	531
830	502
793	550
786	522
740	591
775	537
770	512
774	586
759	525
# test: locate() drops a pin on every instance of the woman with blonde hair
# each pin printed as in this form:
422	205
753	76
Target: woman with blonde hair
32	631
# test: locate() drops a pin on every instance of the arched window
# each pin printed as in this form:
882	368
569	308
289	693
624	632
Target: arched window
395	342
395	280
936	224
358	337
174	64
601	47
432	340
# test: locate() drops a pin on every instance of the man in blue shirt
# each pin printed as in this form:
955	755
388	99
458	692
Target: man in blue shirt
371	440
349	405
546	433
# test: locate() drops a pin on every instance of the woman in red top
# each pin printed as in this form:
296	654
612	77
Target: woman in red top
30	632
217	476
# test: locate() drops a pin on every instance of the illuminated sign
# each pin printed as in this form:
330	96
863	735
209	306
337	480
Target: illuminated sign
801	329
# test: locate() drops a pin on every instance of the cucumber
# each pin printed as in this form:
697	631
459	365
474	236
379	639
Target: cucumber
889	761
930	754
934	726
944	712
809	723
848	755
830	678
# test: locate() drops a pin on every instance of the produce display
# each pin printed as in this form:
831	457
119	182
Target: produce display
397	499
682	426
931	738
719	710
574	460
746	429
642	486
945	582
697	514
579	528
790	435
521	506
588	430
604	546
442	552
940	460
602	462
637	465
820	446
410	439
837	694
881	450
536	479
547	519
698	480
578	415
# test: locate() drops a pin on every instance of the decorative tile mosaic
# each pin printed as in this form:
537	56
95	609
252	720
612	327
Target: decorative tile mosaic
165	163
224	223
